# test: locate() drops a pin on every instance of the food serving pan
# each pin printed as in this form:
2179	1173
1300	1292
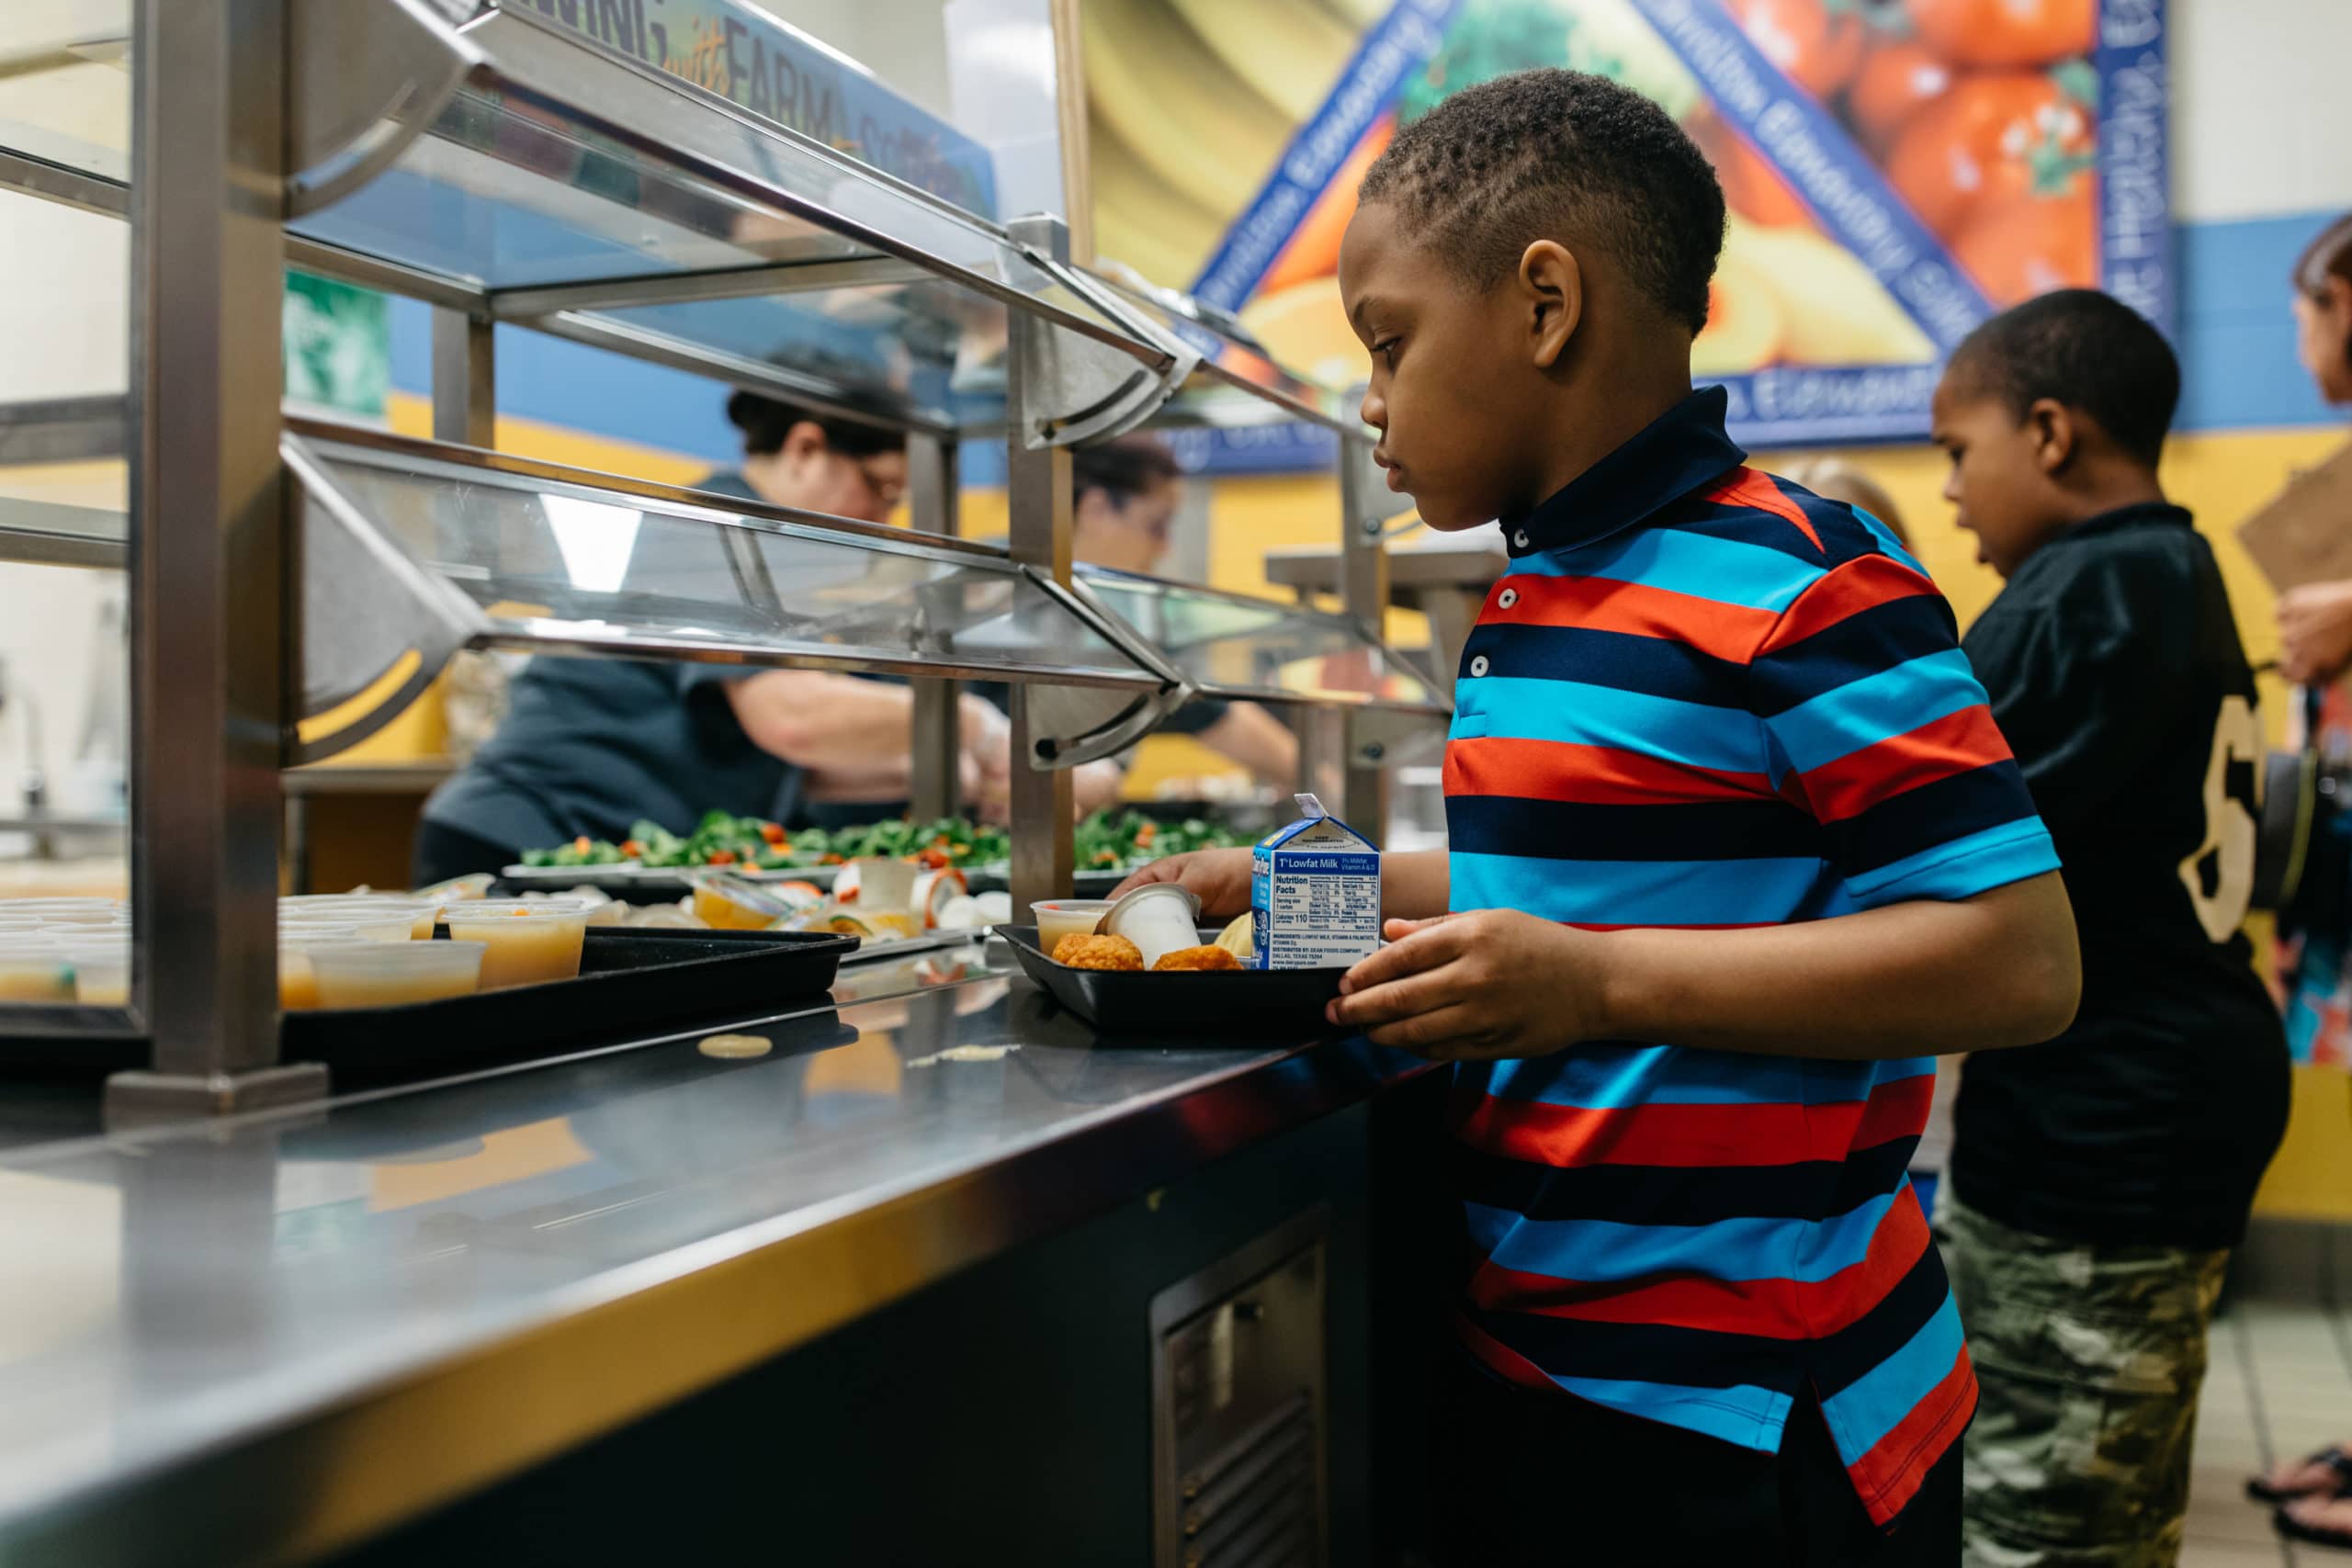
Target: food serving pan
632	980
662	885
1215	1002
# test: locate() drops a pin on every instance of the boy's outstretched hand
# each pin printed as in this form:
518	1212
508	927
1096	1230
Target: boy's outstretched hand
1477	986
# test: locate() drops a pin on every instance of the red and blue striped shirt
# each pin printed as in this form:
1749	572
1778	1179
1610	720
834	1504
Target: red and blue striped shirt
1701	697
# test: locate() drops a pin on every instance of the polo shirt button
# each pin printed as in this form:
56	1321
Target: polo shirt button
1479	665
1519	540
1508	597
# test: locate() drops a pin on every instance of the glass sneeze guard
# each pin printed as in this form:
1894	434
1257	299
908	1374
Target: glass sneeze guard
518	558
591	196
1238	645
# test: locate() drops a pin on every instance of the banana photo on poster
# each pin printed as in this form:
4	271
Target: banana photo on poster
1895	170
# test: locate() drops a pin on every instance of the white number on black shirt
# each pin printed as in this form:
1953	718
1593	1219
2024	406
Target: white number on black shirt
2229	825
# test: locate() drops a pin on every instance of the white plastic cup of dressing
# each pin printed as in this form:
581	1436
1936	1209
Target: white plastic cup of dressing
1158	917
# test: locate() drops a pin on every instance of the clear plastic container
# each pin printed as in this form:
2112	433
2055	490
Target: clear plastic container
101	965
55	912
728	905
1158	917
421	913
383	973
367	925
1058	918
530	941
34	969
297	981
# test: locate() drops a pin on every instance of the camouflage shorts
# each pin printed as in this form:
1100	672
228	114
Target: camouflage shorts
2090	1359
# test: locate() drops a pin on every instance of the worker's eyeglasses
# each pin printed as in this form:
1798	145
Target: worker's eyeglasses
888	490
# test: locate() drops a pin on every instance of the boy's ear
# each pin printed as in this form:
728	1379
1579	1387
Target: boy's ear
1552	285
2051	428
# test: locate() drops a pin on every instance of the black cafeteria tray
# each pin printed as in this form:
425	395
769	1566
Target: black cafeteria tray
1217	1002
632	980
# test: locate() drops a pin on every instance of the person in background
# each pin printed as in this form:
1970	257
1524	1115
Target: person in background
2098	1181
1835	479
589	746
1128	492
2314	1492
1734	845
2315	620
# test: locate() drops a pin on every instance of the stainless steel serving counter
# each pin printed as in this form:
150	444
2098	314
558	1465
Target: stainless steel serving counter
307	1327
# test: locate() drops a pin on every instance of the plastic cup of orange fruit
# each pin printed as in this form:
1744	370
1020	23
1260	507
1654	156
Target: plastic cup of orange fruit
34	969
729	906
297	980
383	973
349	907
55	912
529	940
1058	918
101	964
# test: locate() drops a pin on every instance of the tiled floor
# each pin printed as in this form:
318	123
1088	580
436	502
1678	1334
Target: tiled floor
2281	1384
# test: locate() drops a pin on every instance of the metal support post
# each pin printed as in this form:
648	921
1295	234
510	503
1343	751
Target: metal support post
938	737
1037	481
1363	585
465	381
209	572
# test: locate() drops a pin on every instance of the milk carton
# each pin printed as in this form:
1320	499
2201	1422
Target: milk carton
1314	894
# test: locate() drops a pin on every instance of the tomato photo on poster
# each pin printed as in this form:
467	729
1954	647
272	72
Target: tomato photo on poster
1894	170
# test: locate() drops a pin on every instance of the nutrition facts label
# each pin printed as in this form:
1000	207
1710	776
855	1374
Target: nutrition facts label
1319	917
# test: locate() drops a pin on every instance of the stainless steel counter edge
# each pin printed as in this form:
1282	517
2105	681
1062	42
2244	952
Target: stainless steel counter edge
313	1473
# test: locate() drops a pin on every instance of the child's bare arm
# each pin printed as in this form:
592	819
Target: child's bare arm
1413	886
1922	977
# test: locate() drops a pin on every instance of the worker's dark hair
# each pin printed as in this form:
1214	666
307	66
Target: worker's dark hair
2329	255
1125	468
2084	349
1552	153
765	422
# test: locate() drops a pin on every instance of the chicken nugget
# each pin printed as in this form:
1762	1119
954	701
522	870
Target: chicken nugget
1197	959
1078	952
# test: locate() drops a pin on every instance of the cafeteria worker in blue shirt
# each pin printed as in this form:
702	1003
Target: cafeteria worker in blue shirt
590	746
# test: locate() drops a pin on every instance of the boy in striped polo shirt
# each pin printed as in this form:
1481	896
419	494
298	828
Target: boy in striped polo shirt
1735	848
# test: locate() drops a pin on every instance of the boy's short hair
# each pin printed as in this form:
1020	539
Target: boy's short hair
1497	166
2084	349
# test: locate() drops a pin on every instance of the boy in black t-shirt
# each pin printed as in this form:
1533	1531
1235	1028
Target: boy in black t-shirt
2100	1180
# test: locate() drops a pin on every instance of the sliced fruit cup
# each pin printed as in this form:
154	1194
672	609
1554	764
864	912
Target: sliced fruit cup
100	959
1058	918
297	981
420	913
56	912
379	974
33	968
730	904
530	941
367	925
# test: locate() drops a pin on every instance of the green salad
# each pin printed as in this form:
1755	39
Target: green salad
1105	842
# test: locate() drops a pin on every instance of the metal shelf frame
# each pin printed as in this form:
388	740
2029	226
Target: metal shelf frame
276	110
